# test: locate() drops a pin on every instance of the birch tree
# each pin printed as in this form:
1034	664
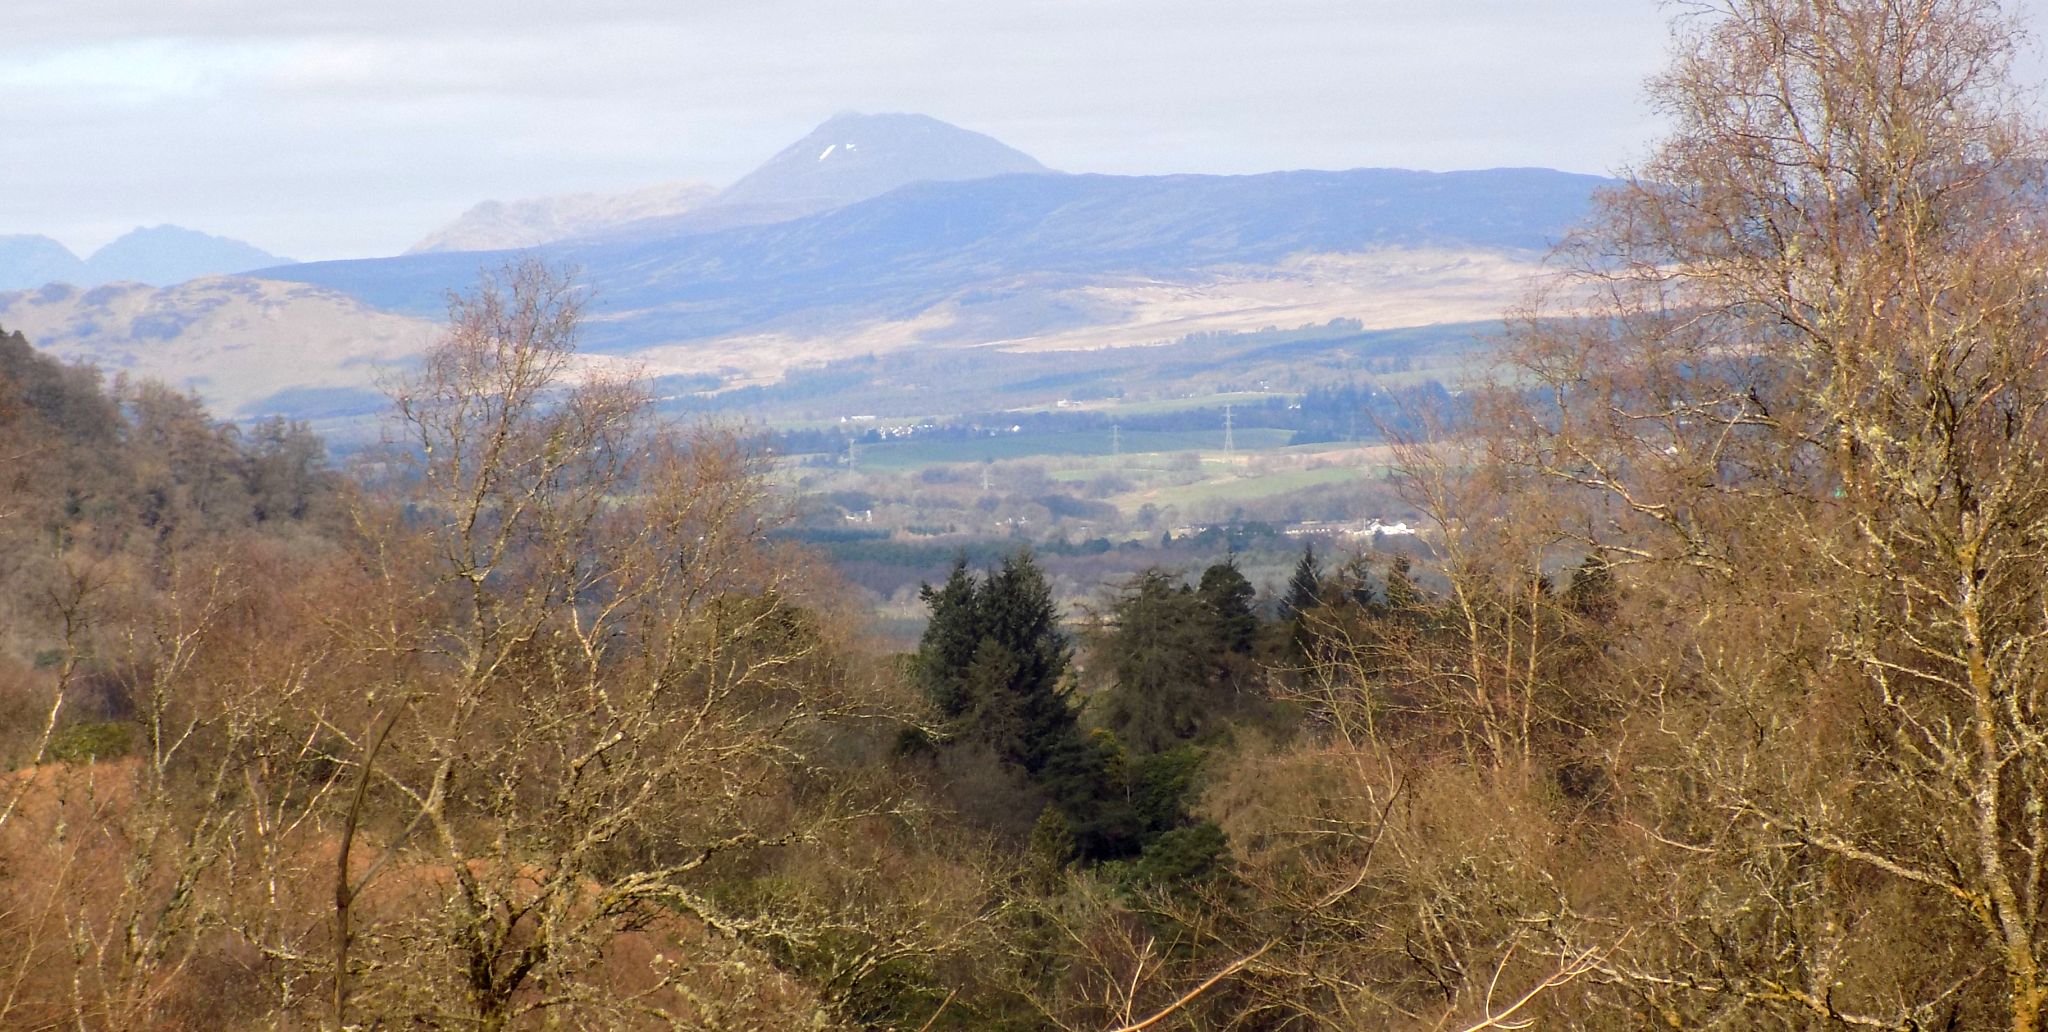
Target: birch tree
1798	374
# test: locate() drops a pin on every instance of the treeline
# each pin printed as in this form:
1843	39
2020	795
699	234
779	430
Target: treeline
113	479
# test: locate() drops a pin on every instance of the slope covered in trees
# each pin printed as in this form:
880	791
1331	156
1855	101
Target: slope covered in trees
525	722
118	473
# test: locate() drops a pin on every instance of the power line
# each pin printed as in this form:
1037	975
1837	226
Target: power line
1229	438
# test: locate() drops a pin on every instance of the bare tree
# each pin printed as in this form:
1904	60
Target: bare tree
1799	374
607	688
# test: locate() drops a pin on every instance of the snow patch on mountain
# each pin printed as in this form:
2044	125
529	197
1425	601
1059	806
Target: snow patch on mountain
870	156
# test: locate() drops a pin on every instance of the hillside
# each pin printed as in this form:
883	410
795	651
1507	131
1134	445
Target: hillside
238	342
1040	602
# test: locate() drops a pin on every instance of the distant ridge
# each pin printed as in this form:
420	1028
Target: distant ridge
31	261
506	225
160	256
905	250
236	341
163	256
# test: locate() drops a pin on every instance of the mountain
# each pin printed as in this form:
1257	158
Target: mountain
907	250
930	238
849	158
853	157
159	256
31	261
163	255
509	225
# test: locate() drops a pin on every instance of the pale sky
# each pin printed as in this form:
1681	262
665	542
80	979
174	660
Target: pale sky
326	129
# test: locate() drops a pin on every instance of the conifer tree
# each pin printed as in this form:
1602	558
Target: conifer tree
1019	614
992	659
1164	656
1229	595
1305	587
950	640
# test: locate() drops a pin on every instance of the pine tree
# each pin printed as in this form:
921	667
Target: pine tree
1019	614
992	659
1051	848
995	712
1164	656
1305	588
950	640
1229	595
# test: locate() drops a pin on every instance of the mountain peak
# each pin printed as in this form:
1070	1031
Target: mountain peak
156	255
31	261
164	255
854	156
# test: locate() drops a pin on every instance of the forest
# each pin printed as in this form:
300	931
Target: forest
1713	694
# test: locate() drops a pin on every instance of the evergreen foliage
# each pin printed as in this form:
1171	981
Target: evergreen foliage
1194	853
993	651
1164	652
950	640
1229	597
1304	587
1022	620
991	662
